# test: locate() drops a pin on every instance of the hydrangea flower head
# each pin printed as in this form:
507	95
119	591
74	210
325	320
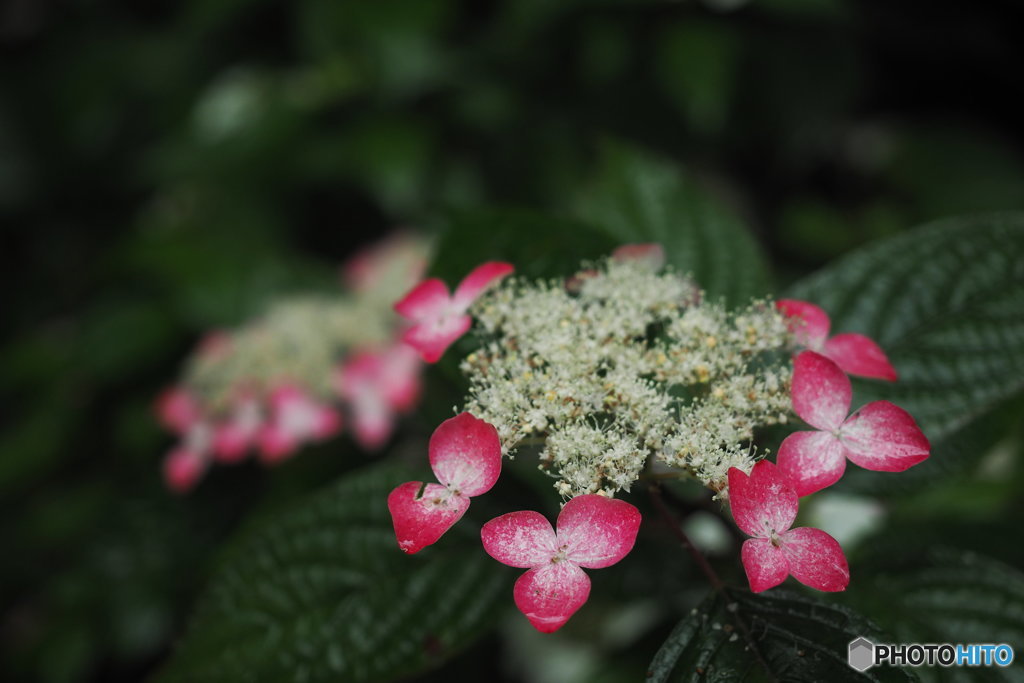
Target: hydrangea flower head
439	318
465	455
880	436
854	353
592	531
764	505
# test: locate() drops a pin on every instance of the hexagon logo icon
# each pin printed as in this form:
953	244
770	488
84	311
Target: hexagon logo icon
862	654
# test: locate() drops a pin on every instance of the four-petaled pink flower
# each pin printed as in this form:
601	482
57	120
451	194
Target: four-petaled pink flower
440	318
295	418
854	353
465	454
764	506
593	532
880	436
378	386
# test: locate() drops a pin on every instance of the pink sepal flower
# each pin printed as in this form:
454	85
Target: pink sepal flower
652	254
592	532
295	418
854	353
764	506
369	267
233	437
378	386
465	455
440	318
177	409
880	436
183	469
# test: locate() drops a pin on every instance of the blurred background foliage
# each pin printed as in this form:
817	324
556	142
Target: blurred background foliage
169	167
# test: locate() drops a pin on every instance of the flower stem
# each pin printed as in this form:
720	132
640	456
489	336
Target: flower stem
677	530
656	497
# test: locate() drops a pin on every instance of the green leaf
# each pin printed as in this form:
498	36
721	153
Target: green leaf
637	197
322	593
778	635
537	244
944	595
945	302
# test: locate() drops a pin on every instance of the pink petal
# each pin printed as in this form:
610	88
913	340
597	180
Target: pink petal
550	594
399	378
428	299
884	437
597	531
762	502
465	454
766	565
816	559
859	355
326	422
821	391
285	395
520	539
231	441
653	254
301	417
360	370
183	469
398	256
433	337
372	421
419	522
811	461
177	409
481	277
276	443
809	323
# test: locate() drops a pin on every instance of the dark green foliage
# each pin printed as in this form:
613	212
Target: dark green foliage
943	595
321	592
778	635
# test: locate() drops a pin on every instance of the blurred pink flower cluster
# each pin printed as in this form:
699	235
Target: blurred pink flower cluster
368	385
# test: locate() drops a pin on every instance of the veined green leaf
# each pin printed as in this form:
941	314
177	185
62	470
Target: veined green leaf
322	593
637	197
944	595
774	636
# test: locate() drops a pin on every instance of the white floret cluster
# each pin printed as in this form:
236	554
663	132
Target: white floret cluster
623	366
